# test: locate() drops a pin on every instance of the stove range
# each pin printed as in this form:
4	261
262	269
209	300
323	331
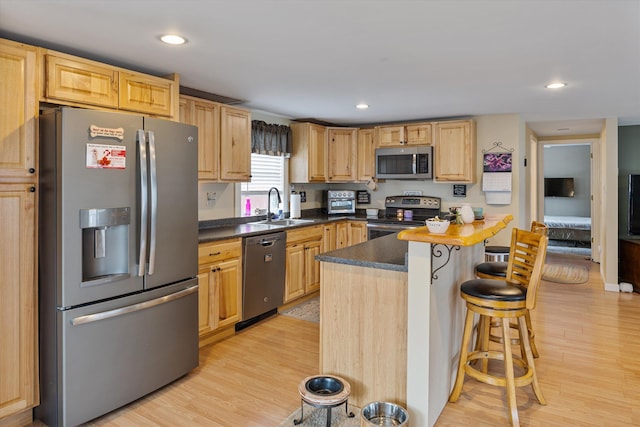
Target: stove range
395	214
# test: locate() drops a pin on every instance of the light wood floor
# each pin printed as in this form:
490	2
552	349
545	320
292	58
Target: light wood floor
589	371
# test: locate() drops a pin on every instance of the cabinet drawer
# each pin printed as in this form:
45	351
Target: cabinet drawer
218	251
305	233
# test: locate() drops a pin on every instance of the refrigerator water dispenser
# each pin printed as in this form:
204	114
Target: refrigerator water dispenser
105	245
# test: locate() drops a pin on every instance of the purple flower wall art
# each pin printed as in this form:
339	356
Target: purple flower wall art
497	162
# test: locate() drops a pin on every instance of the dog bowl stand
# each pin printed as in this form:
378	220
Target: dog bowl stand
324	398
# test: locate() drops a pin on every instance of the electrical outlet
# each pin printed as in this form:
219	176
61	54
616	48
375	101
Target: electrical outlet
303	196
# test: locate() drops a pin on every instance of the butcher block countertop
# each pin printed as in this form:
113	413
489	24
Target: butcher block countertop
460	234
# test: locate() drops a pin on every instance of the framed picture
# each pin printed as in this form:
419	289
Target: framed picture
497	162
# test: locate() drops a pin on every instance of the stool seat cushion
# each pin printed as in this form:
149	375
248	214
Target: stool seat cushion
494	290
493	268
497	249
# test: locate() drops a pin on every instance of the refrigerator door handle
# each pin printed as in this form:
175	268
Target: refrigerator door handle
153	181
90	318
142	158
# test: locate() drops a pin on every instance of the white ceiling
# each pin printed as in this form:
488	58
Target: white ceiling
408	59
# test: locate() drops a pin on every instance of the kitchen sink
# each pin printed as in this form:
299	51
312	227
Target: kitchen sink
283	222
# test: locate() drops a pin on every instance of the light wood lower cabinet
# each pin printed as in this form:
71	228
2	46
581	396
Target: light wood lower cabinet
349	233
302	270
220	286
18	293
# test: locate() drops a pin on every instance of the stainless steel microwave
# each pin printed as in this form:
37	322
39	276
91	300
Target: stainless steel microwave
404	163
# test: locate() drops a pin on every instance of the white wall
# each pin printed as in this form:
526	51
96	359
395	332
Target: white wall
569	161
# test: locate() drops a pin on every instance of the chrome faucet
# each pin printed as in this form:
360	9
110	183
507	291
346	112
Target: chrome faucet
269	202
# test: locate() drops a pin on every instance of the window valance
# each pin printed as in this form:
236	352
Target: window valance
270	139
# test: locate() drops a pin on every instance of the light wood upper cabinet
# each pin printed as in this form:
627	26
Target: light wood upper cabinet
206	116
18	96
455	151
235	144
400	135
224	139
18	293
366	154
146	94
308	162
390	136
78	81
81	81
342	151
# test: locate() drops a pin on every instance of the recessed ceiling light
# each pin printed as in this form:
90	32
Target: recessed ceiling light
555	85
362	106
173	39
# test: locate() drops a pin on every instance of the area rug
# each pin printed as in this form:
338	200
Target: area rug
318	417
308	310
565	273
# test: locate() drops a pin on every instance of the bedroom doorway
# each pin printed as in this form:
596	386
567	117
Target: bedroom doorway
565	194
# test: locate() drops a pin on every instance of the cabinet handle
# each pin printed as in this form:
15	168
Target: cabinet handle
32	170
215	254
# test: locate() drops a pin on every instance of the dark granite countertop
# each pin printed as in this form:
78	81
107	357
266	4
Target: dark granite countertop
210	231
386	253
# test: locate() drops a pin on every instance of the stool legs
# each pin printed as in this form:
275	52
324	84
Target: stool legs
481	351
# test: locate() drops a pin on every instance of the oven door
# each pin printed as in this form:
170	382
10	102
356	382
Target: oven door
378	229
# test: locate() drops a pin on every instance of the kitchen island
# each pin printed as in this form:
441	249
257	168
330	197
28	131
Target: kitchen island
391	317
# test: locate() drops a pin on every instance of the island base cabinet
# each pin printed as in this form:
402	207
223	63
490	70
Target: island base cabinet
363	333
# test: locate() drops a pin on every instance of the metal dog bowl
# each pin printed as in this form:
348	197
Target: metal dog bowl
384	414
326	386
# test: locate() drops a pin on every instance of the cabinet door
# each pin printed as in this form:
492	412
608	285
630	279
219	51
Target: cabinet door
328	237
342	151
145	94
357	232
18	124
342	235
18	290
312	267
389	136
207	293
229	278
294	278
366	156
206	116
454	151
235	144
419	134
317	161
85	82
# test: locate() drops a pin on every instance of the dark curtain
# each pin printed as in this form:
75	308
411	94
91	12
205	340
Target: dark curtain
271	139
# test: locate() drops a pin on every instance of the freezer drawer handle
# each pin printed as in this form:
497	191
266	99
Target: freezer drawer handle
89	318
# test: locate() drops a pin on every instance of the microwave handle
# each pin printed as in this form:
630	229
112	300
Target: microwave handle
414	164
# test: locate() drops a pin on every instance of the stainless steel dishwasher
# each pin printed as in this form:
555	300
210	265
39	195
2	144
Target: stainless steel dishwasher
263	273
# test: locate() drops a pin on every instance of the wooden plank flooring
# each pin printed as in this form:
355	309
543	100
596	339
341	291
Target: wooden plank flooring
589	371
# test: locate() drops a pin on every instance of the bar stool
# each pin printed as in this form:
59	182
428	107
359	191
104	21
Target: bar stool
496	253
498	270
505	300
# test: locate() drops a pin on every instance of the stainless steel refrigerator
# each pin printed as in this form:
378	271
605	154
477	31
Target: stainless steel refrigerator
118	227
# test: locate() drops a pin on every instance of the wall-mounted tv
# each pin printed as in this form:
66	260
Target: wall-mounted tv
558	187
